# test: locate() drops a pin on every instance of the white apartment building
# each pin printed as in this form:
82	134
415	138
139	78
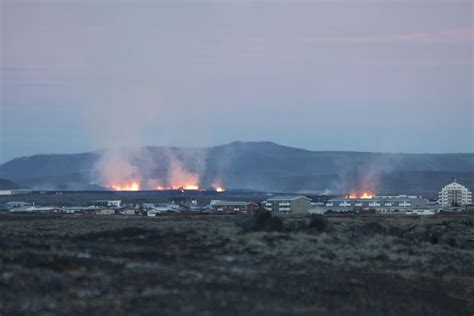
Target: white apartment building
455	194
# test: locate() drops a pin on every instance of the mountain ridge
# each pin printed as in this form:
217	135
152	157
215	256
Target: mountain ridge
263	166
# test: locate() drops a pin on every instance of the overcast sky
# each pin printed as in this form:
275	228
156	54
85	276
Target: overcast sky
392	76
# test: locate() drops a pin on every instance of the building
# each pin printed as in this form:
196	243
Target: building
14	204
147	206
421	212
79	209
152	213
105	211
233	206
455	194
158	210
381	204
15	192
106	203
288	204
128	211
37	209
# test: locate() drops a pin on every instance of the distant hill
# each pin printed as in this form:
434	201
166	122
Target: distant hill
262	166
8	185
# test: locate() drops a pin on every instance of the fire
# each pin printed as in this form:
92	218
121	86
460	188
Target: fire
220	189
132	186
190	187
364	195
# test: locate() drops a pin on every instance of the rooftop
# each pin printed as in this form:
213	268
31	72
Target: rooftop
287	197
231	203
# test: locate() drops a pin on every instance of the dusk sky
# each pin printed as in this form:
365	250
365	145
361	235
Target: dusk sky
389	76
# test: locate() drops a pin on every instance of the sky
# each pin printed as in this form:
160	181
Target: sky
385	76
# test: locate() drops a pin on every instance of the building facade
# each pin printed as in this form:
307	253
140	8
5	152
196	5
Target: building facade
288	204
455	194
15	192
105	211
378	203
13	204
106	203
233	206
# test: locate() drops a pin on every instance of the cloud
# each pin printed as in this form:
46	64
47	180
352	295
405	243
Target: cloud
439	37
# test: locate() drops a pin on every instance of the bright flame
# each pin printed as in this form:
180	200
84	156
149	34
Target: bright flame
364	195
220	189
190	187
132	186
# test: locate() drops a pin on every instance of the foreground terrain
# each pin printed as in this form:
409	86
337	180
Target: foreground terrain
73	265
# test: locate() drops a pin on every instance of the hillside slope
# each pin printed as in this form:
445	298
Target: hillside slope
260	166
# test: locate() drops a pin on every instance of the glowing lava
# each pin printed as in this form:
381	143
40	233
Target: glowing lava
220	189
132	186
364	195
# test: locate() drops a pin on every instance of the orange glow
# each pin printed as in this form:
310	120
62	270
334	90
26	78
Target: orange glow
190	187
220	189
364	195
131	186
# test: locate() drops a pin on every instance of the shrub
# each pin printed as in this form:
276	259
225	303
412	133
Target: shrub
453	242
263	221
296	225
319	223
434	237
373	228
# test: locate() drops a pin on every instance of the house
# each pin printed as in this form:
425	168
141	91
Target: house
128	211
148	206
288	204
155	211
105	211
106	203
233	206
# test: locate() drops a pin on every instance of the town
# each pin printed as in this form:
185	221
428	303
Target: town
453	197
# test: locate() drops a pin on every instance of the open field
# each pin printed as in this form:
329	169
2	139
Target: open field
211	265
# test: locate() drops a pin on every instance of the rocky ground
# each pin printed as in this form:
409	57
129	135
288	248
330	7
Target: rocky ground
371	265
